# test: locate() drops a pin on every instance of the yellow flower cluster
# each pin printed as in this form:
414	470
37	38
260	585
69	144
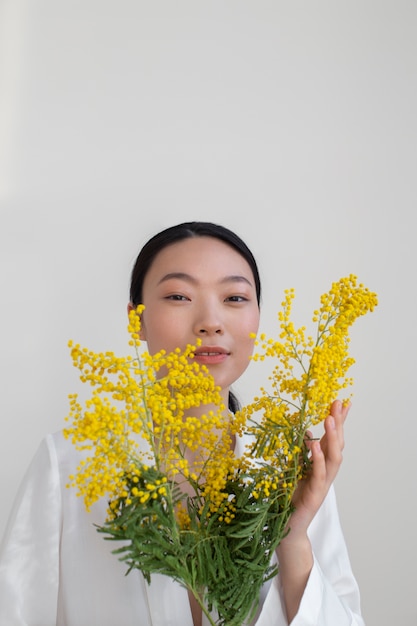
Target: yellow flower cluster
150	397
309	375
158	443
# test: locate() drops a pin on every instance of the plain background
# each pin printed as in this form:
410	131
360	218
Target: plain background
293	123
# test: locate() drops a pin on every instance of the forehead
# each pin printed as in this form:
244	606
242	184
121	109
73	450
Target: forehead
206	255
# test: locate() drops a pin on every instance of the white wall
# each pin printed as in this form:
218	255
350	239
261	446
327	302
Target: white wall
293	123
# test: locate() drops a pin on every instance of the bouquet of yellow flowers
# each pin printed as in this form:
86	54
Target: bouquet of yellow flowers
212	525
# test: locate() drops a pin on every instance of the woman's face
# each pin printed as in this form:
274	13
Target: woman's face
202	288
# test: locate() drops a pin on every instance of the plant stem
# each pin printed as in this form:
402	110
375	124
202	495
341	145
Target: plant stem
203	607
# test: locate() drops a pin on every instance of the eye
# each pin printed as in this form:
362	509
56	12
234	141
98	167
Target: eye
176	297
237	299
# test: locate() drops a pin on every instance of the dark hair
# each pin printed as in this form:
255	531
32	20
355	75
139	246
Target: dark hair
180	232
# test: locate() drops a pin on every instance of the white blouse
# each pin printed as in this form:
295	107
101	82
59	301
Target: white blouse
56	569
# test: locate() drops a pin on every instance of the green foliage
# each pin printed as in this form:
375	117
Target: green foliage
223	564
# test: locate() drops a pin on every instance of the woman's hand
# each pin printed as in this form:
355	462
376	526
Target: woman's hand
294	552
326	457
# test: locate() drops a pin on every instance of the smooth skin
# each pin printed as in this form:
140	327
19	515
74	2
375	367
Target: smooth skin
203	288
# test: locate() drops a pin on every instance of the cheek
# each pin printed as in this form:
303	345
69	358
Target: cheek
251	326
246	329
162	332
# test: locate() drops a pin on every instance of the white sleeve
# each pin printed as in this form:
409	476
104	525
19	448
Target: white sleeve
331	596
29	553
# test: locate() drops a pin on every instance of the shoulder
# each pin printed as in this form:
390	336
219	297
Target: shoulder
58	455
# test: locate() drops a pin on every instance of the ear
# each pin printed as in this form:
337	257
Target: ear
131	307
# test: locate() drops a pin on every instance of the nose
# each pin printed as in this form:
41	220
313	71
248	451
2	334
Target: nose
210	330
208	323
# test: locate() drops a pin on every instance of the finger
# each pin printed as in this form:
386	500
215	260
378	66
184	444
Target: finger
339	411
316	483
336	409
345	409
333	451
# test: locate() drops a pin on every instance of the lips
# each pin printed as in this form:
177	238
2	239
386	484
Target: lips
210	350
210	355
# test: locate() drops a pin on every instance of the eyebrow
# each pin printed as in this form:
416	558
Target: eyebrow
190	279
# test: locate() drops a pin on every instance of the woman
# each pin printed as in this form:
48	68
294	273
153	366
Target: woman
196	280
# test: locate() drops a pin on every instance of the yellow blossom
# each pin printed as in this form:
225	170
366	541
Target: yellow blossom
203	521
